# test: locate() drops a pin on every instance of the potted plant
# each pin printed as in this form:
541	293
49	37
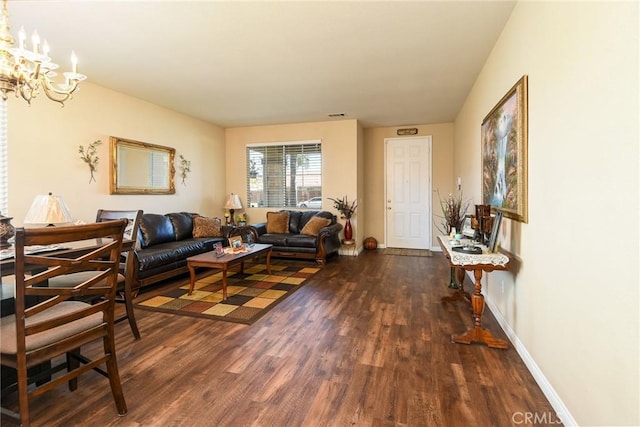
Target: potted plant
241	220
346	210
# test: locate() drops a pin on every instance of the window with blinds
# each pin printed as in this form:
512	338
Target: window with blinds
284	175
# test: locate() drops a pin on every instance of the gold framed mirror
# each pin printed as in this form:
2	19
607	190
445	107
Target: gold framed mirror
141	168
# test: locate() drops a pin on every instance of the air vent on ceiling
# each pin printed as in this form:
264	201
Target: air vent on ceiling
334	115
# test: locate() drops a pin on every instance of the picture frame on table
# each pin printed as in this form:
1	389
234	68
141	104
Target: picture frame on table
235	243
493	237
467	230
504	139
219	249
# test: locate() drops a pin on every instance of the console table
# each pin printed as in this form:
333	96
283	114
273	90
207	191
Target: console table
477	263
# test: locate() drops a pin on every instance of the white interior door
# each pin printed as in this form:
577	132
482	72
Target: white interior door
408	192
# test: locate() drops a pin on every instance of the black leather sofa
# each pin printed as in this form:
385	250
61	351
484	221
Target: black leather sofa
293	244
164	244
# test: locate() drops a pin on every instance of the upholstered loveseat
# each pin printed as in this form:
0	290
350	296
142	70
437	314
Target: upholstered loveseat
166	241
300	234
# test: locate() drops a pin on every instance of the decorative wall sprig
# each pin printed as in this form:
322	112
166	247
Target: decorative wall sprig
90	157
185	167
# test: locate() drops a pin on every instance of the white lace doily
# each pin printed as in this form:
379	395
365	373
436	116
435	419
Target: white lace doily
459	258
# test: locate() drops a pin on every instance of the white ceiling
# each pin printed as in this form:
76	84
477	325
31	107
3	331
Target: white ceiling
239	63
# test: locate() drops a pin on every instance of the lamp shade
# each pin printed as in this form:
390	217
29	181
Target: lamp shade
48	209
233	202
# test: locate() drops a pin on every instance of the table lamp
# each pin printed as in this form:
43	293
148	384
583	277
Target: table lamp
48	209
233	203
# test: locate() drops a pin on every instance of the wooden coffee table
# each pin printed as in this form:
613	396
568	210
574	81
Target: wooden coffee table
210	260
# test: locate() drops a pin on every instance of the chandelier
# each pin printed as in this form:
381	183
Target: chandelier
27	72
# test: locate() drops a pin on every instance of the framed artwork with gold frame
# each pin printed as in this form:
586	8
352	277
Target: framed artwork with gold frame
504	154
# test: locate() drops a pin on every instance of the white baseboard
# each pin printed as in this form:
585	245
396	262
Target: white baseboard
432	249
561	410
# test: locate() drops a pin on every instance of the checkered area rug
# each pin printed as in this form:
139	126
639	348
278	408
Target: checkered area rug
250	294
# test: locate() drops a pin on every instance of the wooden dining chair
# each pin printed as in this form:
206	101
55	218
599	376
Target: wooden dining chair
125	279
58	324
124	293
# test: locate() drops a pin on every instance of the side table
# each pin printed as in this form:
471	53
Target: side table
348	248
243	231
477	263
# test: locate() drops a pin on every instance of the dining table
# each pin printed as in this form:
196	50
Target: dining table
7	285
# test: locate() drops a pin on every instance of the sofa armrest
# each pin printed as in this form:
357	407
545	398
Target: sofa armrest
328	242
329	230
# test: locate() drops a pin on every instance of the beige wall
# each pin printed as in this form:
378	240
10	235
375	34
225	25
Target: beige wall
363	207
339	165
374	173
43	152
570	300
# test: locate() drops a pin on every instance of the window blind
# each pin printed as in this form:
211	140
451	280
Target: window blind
283	175
4	161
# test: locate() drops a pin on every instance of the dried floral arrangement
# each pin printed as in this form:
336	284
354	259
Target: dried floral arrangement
454	208
90	157
185	167
342	205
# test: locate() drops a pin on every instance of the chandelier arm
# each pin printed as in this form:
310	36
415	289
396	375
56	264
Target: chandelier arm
27	89
55	94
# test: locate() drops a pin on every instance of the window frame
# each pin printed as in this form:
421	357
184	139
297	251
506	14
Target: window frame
4	160
273	190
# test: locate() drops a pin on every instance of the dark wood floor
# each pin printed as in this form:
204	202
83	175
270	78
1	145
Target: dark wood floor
365	342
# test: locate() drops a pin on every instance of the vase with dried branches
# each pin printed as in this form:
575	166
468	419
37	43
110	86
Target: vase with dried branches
454	209
346	210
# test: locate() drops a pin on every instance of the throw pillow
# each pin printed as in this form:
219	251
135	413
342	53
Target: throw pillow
277	222
206	227
314	225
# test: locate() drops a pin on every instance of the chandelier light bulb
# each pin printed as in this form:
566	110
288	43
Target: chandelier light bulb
35	39
74	63
22	37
